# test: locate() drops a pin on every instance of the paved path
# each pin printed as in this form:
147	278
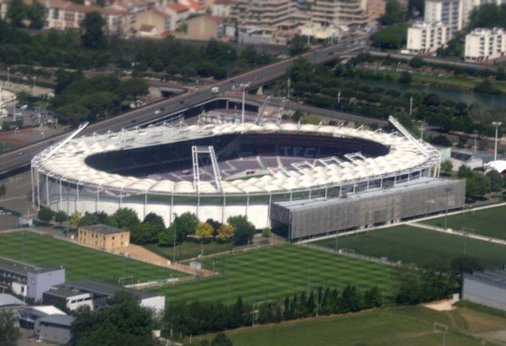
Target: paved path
458	233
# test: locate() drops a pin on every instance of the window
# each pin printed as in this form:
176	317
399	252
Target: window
56	13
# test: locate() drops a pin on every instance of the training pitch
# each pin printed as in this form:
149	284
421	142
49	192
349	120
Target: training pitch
488	222
419	246
274	272
79	262
412	326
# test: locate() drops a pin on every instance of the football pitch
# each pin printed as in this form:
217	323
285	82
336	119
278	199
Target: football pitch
488	222
419	246
79	262
400	326
275	272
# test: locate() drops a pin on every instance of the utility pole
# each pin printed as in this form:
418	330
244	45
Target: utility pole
174	247
288	86
339	97
411	106
475	147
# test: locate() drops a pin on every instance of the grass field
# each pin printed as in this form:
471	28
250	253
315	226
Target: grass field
79	262
274	272
487	222
415	245
394	326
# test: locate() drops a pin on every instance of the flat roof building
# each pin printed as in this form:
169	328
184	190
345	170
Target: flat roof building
426	38
396	201
103	293
28	280
103	237
486	288
485	44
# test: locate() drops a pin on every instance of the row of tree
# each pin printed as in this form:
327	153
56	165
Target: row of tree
153	230
92	49
479	184
78	99
183	318
321	85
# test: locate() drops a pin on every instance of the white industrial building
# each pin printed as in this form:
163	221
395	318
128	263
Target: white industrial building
427	37
485	44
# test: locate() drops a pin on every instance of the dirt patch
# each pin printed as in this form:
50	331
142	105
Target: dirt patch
441	305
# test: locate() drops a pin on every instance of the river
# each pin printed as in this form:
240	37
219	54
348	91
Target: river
485	100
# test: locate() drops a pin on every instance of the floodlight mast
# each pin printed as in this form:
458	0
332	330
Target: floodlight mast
496	124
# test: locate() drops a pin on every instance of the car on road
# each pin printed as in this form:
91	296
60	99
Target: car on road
158	111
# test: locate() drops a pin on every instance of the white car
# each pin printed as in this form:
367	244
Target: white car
158	111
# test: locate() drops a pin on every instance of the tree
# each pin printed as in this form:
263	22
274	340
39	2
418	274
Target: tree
124	218
447	167
297	45
60	216
16	12
3	190
166	238
393	13
244	230
133	89
391	37
154	218
45	214
221	339
124	323
215	224
477	185
464	264
9	334
204	230
405	77
184	225
92	30
36	15
74	219
496	180
225	232
373	298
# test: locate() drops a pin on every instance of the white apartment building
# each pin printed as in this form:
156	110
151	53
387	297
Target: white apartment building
266	14
337	12
449	12
426	38
485	44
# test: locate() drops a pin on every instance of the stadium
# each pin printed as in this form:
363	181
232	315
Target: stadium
221	170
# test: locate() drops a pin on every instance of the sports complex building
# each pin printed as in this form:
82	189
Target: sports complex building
222	170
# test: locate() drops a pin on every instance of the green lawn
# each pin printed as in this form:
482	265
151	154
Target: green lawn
488	222
189	249
79	262
274	272
389	327
415	245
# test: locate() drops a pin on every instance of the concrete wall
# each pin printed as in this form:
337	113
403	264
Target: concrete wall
38	283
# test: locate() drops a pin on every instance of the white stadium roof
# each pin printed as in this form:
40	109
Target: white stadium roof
68	162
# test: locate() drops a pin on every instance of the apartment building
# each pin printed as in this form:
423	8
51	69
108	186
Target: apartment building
375	8
448	12
426	38
267	14
337	12
485	44
62	15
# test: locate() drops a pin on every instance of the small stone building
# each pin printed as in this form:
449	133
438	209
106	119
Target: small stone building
103	237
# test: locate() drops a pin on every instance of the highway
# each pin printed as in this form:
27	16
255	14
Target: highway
20	158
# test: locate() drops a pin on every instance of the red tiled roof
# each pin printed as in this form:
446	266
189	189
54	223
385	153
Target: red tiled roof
177	7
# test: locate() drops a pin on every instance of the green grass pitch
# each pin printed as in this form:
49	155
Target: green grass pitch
273	273
402	326
488	222
79	262
419	246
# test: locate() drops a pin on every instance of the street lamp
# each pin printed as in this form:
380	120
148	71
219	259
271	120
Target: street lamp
447	190
174	246
497	124
243	86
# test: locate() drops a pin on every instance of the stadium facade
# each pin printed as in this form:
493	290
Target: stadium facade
221	170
